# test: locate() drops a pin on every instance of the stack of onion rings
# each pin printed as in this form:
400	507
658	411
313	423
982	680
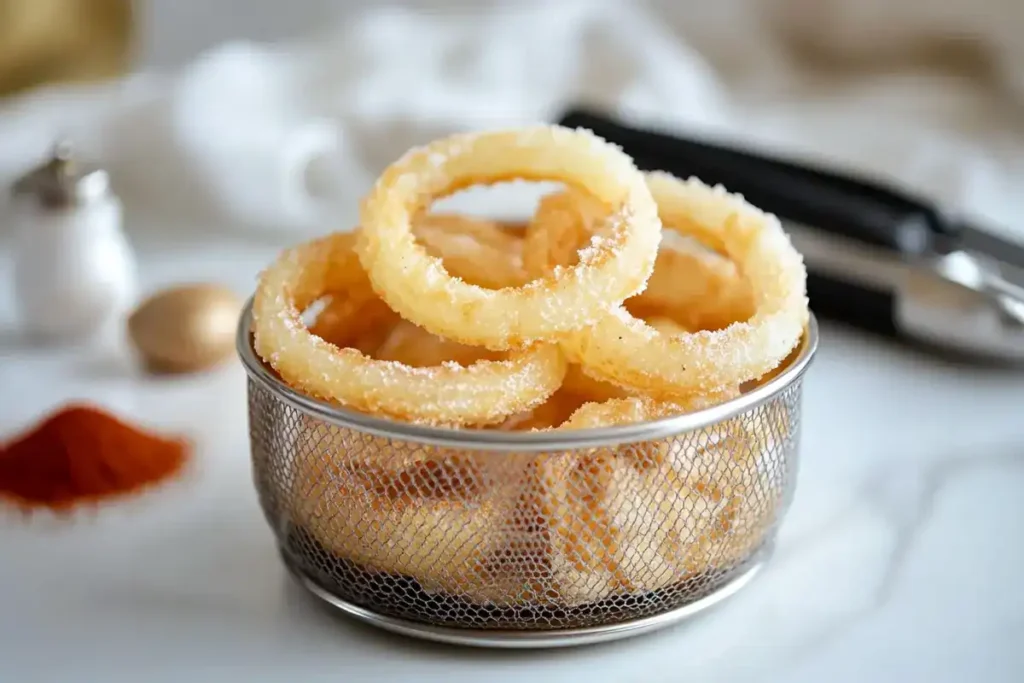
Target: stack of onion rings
583	319
470	323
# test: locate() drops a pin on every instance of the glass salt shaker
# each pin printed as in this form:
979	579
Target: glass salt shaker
74	270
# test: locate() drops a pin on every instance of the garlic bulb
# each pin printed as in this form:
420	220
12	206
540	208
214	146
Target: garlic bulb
186	329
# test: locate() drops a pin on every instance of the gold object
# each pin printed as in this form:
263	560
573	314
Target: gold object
55	41
185	329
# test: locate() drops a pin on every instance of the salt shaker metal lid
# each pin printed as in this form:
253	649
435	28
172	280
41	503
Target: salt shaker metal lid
63	182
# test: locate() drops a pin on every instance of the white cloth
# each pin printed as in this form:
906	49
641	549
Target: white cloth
284	139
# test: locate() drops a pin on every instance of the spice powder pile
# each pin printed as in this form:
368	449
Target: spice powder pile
84	455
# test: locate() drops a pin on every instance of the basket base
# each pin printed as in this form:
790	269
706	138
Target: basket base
521	639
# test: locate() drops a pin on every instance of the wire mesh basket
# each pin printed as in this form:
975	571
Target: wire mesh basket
524	539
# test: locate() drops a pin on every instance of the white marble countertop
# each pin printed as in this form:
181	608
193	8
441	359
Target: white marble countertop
900	559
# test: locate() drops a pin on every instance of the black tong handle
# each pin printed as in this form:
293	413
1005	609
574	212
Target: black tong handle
841	205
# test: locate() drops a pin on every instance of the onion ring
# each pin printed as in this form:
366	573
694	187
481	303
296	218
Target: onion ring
577	381
415	347
599	505
485	392
622	349
634	409
418	287
479	252
695	286
548	415
352	310
457	240
437	511
698	288
355	319
491	233
564	221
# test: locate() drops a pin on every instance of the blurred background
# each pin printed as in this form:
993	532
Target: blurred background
167	33
318	95
903	90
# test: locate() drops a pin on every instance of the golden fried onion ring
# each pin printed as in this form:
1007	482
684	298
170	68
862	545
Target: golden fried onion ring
562	223
624	350
488	232
579	383
417	348
695	286
416	285
450	394
700	289
636	409
355	319
477	251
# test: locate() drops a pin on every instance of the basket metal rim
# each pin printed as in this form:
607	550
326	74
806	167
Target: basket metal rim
491	440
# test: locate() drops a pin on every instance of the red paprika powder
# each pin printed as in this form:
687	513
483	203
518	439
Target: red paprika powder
82	454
